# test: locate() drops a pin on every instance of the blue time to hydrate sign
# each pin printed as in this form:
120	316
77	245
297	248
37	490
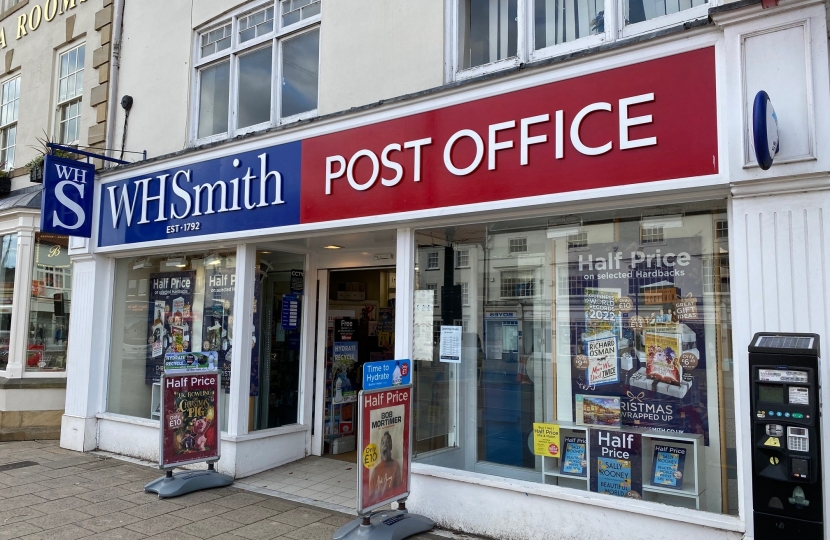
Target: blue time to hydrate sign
386	374
68	191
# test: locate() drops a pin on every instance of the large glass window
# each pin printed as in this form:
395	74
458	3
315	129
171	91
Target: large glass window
258	69
591	330
8	122
560	21
165	305
50	304
70	94
645	10
8	262
487	31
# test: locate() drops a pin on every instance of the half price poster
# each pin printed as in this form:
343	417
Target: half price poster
616	463
170	319
189	418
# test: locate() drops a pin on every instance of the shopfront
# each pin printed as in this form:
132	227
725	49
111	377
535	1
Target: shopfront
552	248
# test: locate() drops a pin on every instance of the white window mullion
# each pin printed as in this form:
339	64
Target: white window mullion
276	70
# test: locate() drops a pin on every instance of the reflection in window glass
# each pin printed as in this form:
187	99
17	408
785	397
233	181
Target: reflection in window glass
300	70
8	261
50	304
487	31
294	11
645	10
255	87
215	40
256	24
213	99
170	304
587	330
560	21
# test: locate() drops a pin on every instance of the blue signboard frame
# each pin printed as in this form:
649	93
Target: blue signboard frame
68	196
258	189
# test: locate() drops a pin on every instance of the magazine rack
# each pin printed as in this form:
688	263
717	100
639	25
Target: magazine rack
694	482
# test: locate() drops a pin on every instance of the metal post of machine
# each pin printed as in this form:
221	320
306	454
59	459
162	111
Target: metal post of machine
786	436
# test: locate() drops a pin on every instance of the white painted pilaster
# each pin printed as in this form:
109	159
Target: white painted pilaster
404	292
243	327
19	332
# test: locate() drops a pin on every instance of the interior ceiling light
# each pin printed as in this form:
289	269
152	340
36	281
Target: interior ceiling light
142	263
213	259
178	262
332	246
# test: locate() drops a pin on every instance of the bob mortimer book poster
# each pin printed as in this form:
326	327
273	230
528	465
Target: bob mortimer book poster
190	418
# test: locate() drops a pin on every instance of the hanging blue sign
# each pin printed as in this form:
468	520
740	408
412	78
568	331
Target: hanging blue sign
251	190
764	130
68	191
386	374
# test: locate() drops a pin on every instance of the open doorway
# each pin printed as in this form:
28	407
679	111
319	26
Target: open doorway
360	328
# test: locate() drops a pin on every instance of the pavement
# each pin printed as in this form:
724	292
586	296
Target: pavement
47	492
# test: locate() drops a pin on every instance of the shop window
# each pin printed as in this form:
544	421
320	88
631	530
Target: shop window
162	305
631	344
265	76
9	101
462	258
8	263
50	304
487	31
432	260
644	10
561	21
517	283
70	94
517	245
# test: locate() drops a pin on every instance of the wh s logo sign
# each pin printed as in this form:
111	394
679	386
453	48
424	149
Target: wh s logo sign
68	187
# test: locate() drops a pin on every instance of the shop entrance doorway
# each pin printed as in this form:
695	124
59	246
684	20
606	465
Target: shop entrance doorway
359	327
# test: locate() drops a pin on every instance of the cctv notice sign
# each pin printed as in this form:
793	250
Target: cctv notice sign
384	434
189	418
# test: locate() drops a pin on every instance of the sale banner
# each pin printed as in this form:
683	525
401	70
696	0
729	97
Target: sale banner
546	440
385	450
189	418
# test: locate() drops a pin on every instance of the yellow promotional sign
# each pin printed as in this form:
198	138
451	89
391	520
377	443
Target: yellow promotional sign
546	440
370	455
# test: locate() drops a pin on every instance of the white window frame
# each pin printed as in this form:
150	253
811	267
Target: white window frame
437	260
615	29
232	54
16	76
57	90
458	255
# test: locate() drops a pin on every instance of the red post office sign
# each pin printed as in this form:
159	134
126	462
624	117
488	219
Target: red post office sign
650	121
189	418
385	447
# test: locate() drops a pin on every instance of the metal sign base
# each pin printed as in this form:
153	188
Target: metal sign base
391	525
182	483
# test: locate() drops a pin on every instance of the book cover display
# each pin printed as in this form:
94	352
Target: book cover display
574	461
616	463
667	466
189	409
170	319
637	332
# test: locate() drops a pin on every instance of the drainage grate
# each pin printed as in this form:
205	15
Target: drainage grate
17	465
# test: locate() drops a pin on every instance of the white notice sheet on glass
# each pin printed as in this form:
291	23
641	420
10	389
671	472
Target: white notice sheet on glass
422	335
450	349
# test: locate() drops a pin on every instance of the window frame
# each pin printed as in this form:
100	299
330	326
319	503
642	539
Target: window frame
437	260
232	54
15	76
615	29
57	89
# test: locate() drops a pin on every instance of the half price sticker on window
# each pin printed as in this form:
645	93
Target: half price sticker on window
546	440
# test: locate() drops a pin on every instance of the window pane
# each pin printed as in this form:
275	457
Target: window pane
488	31
644	10
64	65
255	88
79	64
167	304
245	35
560	21
50	304
587	329
213	99
310	11
300	73
291	18
8	259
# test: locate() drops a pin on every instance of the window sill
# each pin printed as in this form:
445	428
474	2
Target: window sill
658	23
662	511
124	419
485	69
266	433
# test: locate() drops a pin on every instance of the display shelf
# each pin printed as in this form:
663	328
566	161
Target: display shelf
551	466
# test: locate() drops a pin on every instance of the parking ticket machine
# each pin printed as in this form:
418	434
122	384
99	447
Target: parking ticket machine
786	436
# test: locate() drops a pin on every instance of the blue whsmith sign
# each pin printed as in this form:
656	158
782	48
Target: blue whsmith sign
68	191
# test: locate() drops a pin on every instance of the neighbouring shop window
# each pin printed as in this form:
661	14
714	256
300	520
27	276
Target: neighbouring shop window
165	305
8	262
50	304
561	21
644	10
9	104
487	31
275	371
266	75
70	94
594	331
